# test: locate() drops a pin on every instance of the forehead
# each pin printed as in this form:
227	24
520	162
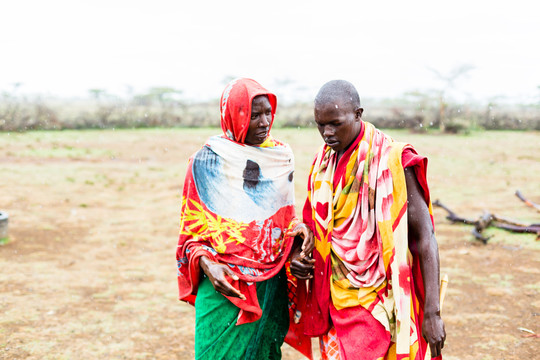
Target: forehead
333	108
261	100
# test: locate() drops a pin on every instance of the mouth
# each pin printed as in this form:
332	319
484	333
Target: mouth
262	134
331	142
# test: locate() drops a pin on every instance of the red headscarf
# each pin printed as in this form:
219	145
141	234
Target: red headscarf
235	107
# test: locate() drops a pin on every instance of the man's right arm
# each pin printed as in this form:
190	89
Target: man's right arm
422	233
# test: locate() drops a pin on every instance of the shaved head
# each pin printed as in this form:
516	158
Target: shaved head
338	91
338	114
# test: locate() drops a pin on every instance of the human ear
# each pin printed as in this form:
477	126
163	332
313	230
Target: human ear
358	113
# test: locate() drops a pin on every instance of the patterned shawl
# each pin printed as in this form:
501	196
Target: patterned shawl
237	205
357	209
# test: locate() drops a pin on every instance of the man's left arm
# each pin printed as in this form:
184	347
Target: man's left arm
421	232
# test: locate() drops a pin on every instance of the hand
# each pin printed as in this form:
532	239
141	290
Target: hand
434	333
301	266
304	233
217	273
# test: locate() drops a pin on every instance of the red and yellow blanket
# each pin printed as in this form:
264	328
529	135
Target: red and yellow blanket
357	210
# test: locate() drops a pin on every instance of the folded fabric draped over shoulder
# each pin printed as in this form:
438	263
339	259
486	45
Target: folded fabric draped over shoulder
357	210
237	206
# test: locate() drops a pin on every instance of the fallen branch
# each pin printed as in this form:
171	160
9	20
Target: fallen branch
510	221
452	216
531	229
486	220
479	236
514	226
526	201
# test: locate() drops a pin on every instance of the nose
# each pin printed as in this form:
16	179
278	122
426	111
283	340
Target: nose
265	120
328	131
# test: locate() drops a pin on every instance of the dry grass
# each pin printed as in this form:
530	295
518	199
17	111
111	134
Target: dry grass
89	272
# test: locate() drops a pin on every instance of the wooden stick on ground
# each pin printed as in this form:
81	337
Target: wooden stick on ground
452	216
489	219
479	225
526	201
442	294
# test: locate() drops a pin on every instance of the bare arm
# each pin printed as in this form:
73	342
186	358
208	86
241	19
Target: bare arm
424	245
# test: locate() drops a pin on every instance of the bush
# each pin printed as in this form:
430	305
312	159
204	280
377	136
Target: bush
21	114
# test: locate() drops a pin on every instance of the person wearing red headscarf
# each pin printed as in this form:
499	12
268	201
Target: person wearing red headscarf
240	239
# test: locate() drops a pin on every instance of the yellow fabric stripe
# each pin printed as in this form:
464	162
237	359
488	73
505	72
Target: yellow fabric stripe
323	246
398	178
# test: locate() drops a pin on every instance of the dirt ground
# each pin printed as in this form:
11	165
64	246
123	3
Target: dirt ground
89	269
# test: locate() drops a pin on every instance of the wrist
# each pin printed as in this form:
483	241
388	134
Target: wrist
204	262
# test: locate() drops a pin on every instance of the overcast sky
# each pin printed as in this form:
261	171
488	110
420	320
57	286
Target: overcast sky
386	48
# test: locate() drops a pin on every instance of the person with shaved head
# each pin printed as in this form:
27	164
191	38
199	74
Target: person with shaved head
375	287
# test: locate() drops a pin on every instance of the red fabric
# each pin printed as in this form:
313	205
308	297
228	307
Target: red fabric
249	309
361	332
317	306
236	115
297	300
192	248
410	158
358	321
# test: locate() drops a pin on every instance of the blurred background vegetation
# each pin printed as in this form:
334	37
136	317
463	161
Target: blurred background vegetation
167	107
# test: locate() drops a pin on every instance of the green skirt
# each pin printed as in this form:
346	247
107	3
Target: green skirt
218	337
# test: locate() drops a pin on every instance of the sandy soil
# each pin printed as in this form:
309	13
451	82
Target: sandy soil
89	271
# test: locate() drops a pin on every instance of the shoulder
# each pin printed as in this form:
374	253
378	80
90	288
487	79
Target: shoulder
274	144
